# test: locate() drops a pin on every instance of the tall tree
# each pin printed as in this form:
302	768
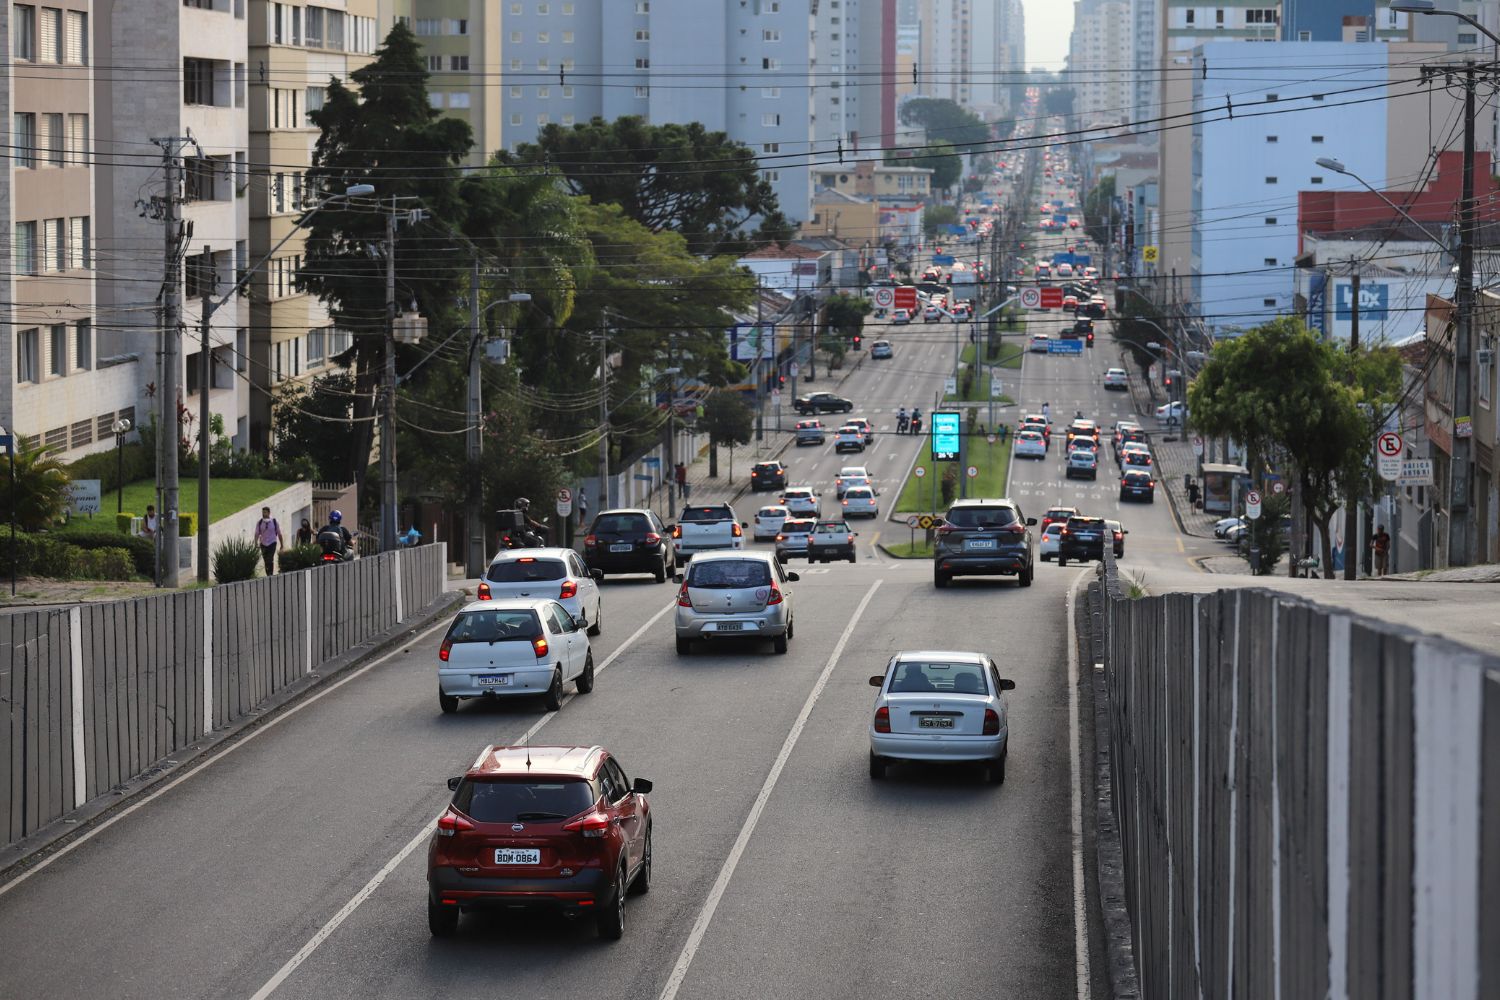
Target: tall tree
947	121
1097	206
381	130
682	177
728	420
947	166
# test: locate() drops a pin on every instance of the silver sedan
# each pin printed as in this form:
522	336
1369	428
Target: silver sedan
940	706
734	595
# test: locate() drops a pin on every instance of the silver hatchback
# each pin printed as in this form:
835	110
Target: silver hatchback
735	595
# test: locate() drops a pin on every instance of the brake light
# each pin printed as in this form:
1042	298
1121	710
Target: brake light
484	591
775	597
540	645
736	530
781	538
676	531
1016	528
991	722
569	589
882	719
443	649
451	823
1118	536
945	529
1065	531
682	598
590	824
652	538
844	502
526	559
589	541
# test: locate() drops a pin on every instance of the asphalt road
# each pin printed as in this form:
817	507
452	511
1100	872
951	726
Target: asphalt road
294	863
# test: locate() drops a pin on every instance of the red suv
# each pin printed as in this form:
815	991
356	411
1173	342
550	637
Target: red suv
551	827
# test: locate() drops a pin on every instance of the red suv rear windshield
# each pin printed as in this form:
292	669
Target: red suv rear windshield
980	517
504	801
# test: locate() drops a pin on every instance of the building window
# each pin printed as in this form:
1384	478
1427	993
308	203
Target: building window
542	64
542	119
643	64
51	139
515	65
770	92
771	175
314	348
80	254
1272	138
76	46
1219	17
314	21
769	63
1317	180
568	119
458	99
515	118
541	8
567	38
1191	14
769	120
1317	139
1304	36
83	433
197	82
24	248
435	99
1467	38
434	64
55	245
643	6
1272	98
516	92
770	147
24	139
770	35
567	92
51	48
567	10
458	26
643	35
1270	180
543	37
515	10
57	350
544	92
83	345
77	144
516	38
1268	303
1317	97
458	64
429	26
1270	220
1269	261
643	92
313	101
23	32
28	365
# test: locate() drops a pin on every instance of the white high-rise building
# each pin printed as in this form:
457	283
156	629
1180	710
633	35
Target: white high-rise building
1102	62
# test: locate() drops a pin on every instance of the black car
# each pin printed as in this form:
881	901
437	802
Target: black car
1082	538
1137	484
629	541
1119	531
823	402
983	538
767	476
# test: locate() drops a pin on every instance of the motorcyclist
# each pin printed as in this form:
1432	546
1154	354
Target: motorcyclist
1047	412
901	420
535	527
335	538
916	419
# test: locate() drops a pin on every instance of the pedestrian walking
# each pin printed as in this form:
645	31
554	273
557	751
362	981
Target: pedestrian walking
305	533
268	536
682	484
583	507
1381	543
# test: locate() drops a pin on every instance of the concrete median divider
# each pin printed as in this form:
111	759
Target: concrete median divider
96	695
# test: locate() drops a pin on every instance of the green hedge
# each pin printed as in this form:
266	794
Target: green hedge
295	557
123	522
141	551
56	557
138	464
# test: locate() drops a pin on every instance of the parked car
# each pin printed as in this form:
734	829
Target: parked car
556	573
734	595
822	402
831	540
980	537
1223	524
519	647
1082	538
767	476
768	522
940	707
559	828
629	541
859	501
810	432
791	540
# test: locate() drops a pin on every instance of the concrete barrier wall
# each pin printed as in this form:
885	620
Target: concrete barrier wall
96	694
1302	796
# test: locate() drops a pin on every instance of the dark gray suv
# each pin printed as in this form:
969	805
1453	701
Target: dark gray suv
983	538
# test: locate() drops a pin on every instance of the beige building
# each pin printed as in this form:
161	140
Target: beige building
66	379
461	42
871	179
296	48
844	216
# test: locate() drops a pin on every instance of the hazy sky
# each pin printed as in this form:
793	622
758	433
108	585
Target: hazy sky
1048	24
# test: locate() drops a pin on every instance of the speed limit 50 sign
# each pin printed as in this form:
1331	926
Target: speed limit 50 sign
1031	297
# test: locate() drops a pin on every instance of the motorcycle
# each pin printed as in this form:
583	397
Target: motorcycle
916	425
334	549
902	423
522	538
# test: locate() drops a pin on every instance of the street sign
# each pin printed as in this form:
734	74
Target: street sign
83	496
1148	254
996	390
973	471
989	439
950	386
1278	487
945	424
913	521
1388	455
885	297
564	502
1052	298
925	521
906	297
793	370
1031	298
1252	505
776	396
1198	445
1415	472
919	471
1065	345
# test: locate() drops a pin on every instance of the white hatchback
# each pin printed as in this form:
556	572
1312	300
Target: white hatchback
555	573
1115	378
768	522
940	706
801	501
1031	444
850	437
1040	343
1051	539
859	501
513	648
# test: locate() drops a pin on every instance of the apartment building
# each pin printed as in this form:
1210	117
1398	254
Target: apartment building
68	378
997	55
296	48
1146	32
948	38
1101	62
462	45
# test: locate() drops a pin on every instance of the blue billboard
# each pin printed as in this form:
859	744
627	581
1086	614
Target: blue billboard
1374	301
945	436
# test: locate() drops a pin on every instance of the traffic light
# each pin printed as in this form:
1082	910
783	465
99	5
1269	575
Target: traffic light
1091	338
780	381
856	341
1169	380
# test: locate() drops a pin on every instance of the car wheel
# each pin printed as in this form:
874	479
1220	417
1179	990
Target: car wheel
778	643
585	680
851	556
611	919
442	920
1062	560
552	700
684	646
791	628
1025	576
596	626
661	573
940	580
877	767
996	769
447	702
642	883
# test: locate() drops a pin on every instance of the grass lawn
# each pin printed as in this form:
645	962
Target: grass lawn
992	460
979	389
909	550
225	497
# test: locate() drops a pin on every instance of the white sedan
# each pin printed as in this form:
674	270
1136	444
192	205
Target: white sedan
940	706
768	522
514	648
1115	378
1051	539
1031	444
1170	413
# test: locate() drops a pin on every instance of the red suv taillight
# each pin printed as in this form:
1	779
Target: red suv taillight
882	719
569	589
682	598
945	529
540	645
590	824
1015	528
589	541
991	722
444	648
652	538
484	591
451	823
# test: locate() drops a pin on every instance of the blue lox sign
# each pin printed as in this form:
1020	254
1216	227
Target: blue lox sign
1374	300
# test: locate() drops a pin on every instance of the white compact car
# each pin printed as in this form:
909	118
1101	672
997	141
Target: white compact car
1083	463
1170	413
1039	342
859	501
940	706
1031	444
801	501
736	595
850	437
768	522
555	573
1051	537
514	648
1115	378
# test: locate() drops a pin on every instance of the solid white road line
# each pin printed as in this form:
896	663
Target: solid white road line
721	883
345	911
1080	922
157	792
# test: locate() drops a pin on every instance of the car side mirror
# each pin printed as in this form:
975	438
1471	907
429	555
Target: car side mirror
676	577
793	577
597	574
453	783
877	680
744	524
670	528
641	786
1006	684
1030	521
580	621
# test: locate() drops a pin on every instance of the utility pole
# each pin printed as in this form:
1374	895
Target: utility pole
205	373
1351	501
671	470
604	414
388	382
1460	514
168	425
473	445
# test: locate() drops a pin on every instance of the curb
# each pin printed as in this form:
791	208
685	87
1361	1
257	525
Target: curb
16	856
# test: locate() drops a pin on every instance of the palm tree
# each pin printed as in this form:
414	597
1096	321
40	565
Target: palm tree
41	488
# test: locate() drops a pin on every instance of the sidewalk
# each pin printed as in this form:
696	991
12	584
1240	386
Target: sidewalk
1174	459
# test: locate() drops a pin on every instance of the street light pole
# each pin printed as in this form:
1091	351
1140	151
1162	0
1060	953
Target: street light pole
388	383
121	427
9	441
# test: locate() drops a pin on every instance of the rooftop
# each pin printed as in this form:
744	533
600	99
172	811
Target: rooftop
572	761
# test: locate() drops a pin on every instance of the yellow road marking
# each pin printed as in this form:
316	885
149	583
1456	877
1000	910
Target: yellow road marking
1180	547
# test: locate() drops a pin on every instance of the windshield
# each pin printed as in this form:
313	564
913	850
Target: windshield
729	574
526	570
619	524
1085	523
494	626
513	801
980	517
930	678
796	527
707	514
772	512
